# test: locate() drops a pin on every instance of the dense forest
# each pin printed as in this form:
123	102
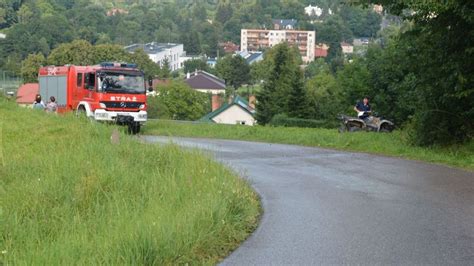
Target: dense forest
418	71
40	26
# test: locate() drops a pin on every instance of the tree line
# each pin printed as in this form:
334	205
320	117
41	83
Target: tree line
41	26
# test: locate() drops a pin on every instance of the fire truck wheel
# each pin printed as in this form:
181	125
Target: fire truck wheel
134	128
81	112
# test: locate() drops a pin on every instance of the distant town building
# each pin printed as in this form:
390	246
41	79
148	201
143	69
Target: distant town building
160	52
184	57
3	36
235	112
284	24
321	50
378	9
203	81
313	11
211	62
229	47
360	41
251	57
347	48
116	11
253	40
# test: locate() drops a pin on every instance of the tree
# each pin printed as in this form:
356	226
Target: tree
195	64
438	60
325	97
178	101
259	71
273	98
165	71
316	67
234	70
298	104
75	53
224	12
83	53
191	42
31	66
109	53
335	56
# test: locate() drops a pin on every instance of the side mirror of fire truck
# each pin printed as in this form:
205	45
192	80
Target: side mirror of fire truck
150	85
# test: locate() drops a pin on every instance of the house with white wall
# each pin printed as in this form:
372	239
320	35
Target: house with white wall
236	112
160	52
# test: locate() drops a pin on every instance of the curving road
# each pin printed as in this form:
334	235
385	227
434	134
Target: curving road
331	207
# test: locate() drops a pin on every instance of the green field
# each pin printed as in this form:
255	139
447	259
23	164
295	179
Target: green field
71	197
393	144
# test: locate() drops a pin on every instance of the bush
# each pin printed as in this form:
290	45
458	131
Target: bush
177	101
283	120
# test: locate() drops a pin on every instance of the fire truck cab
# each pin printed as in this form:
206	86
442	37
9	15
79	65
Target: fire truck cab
111	92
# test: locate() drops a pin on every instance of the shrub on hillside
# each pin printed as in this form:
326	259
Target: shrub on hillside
177	101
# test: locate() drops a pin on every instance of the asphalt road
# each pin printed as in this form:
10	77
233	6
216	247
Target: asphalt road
331	207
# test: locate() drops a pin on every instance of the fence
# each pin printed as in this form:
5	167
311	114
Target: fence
9	82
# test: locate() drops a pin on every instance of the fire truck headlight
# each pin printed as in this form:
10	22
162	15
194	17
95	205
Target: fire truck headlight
142	116
102	105
142	106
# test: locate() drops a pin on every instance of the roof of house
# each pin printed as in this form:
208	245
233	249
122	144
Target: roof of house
284	23
251	57
239	101
151	48
254	57
320	52
346	44
204	80
26	94
229	47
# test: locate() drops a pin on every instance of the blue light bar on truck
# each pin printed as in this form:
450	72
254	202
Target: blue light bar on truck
112	64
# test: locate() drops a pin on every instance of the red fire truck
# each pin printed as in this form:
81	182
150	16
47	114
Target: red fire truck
113	92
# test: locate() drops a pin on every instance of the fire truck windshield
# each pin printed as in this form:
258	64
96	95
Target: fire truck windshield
115	82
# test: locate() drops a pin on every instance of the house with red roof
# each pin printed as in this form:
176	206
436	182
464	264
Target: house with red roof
26	94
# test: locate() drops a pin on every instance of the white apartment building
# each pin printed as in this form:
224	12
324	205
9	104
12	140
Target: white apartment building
160	52
253	40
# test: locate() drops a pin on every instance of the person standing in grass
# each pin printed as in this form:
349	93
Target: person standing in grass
52	106
38	104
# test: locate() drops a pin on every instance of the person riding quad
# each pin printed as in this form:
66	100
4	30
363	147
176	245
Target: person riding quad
363	109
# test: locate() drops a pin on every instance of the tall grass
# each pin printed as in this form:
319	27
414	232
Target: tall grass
69	197
393	144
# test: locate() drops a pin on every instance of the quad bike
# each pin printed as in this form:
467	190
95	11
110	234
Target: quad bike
371	123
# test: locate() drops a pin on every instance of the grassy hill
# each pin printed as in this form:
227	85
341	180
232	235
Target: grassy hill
393	144
70	197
